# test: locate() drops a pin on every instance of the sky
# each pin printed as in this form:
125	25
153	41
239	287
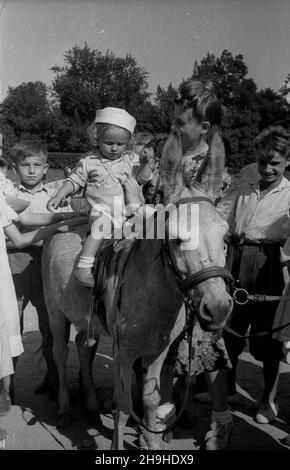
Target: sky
164	36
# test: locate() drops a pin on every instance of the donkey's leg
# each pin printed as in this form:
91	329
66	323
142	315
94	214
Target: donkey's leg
120	409
60	326
86	357
152	397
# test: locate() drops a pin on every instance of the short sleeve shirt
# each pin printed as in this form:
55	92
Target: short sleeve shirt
102	179
257	217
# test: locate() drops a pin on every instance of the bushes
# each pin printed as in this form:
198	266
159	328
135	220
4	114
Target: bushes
59	160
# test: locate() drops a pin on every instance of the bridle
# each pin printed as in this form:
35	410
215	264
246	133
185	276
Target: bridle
239	295
203	274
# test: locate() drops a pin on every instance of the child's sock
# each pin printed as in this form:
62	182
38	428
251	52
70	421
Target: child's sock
86	262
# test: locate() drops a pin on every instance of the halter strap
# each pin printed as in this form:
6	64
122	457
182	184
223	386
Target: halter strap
203	275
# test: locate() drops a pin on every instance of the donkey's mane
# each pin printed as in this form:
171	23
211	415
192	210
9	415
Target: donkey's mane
212	168
170	166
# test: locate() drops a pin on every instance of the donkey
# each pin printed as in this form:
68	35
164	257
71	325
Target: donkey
144	295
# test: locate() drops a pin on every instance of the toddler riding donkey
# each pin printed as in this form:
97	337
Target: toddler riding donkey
102	176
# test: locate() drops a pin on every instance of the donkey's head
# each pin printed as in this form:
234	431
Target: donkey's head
196	231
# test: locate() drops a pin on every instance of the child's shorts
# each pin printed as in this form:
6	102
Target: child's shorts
25	266
260	272
259	316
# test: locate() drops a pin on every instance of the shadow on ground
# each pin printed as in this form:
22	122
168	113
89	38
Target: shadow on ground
32	422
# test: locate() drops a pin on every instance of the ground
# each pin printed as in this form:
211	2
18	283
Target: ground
31	425
32	421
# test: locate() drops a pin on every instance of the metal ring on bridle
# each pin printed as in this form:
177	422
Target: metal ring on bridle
240	296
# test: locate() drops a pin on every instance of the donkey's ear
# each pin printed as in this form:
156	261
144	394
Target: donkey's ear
211	171
170	166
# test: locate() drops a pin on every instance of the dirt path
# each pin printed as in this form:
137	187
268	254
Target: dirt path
31	424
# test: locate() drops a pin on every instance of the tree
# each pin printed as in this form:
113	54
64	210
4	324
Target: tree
239	96
227	73
273	109
90	80
164	101
26	107
286	87
26	112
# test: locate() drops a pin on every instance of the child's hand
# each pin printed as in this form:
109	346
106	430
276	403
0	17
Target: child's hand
146	160
131	191
65	202
53	203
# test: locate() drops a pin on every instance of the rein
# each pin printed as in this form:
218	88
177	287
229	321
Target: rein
242	297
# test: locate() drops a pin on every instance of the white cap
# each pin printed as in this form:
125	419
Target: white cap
117	117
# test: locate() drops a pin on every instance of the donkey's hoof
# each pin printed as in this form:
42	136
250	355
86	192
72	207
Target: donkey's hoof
167	437
93	418
64	420
141	442
88	443
219	436
49	387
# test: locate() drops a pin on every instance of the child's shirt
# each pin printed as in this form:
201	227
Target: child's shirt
191	163
102	179
261	218
192	160
39	199
7	215
6	185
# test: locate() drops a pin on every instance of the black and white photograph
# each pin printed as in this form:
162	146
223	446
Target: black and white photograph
145	229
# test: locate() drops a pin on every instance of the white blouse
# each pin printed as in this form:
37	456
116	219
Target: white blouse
8	302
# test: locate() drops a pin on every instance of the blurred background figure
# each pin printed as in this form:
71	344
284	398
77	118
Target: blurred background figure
140	140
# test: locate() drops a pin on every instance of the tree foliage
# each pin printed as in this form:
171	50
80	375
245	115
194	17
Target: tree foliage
90	80
247	111
26	112
164	100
